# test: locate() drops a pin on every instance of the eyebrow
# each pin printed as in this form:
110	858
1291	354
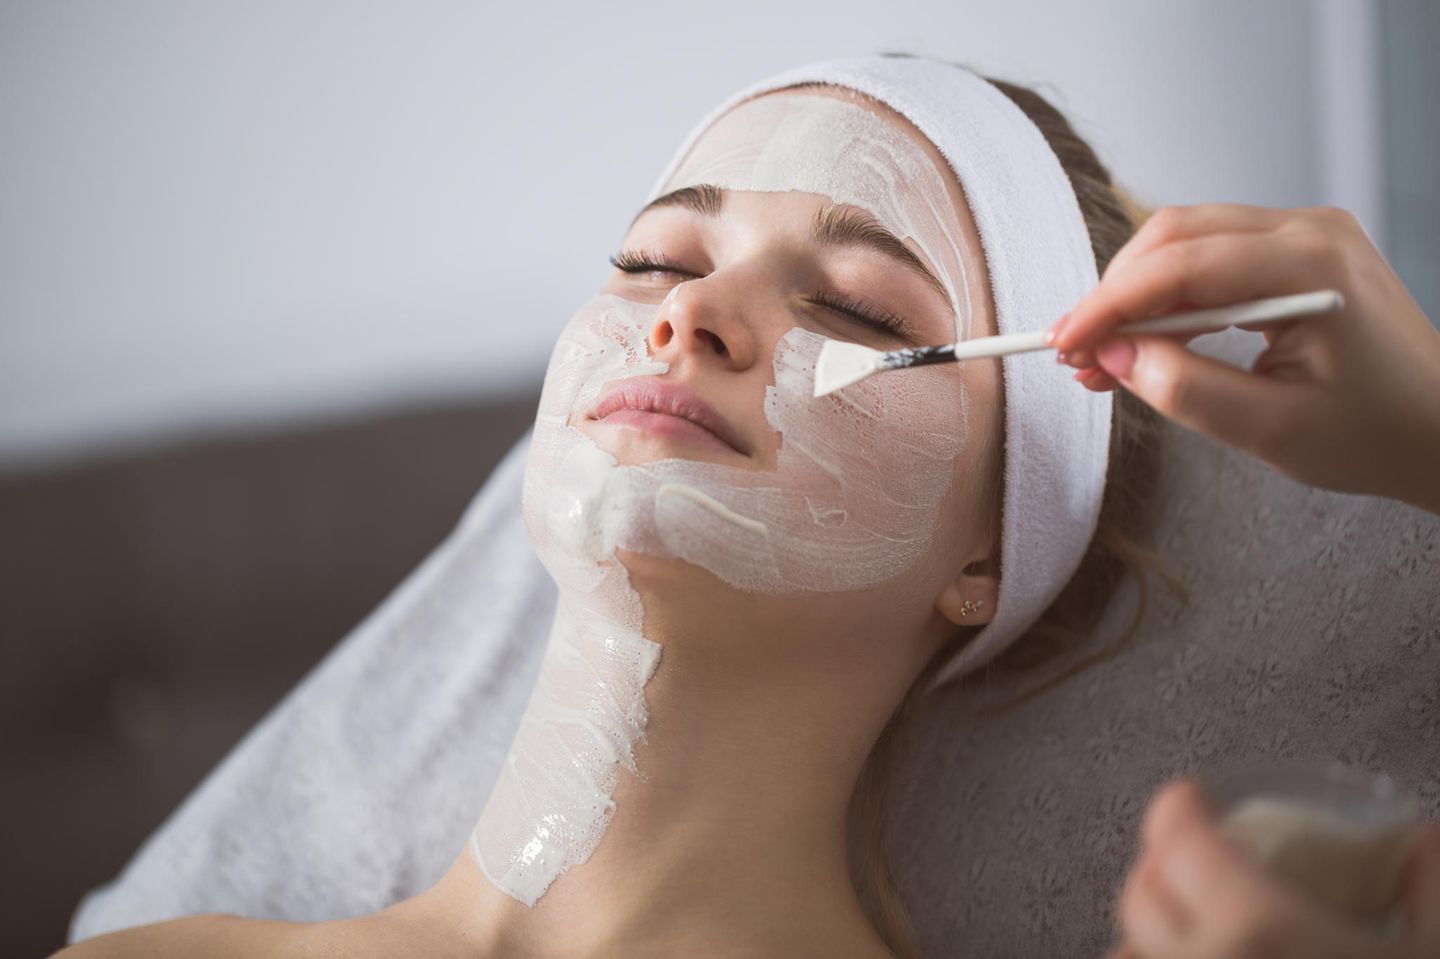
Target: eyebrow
832	226
705	199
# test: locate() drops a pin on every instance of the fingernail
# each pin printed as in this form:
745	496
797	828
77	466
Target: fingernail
1055	329
1116	356
1061	358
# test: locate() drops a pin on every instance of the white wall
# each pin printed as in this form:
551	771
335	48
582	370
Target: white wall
223	215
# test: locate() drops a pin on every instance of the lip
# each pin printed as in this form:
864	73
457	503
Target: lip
668	408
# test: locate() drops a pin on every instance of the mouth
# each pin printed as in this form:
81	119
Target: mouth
667	409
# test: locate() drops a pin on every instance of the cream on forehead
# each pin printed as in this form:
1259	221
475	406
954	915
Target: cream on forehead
818	144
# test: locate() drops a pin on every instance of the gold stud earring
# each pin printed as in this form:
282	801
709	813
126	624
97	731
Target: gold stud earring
971	606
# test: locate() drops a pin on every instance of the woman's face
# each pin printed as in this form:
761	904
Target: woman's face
706	335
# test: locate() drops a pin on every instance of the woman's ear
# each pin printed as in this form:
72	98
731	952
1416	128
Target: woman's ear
969	599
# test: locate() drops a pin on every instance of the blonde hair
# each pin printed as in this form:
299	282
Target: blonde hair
1118	549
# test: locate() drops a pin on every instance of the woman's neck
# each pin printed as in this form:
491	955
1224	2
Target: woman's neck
730	830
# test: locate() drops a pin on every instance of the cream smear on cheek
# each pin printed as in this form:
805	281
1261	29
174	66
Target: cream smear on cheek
852	503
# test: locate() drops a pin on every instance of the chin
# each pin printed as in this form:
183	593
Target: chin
687	605
650	573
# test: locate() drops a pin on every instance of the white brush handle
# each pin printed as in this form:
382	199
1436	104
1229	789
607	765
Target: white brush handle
1269	310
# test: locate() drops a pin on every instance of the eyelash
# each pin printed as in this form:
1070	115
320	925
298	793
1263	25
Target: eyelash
630	261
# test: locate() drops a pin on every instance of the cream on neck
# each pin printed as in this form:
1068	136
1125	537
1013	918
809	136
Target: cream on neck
734	825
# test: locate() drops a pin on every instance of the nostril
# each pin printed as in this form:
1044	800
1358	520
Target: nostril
713	340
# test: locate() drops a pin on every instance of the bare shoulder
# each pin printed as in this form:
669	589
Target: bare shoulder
401	929
397	931
218	936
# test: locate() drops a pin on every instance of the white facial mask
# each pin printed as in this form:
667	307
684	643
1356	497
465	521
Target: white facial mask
853	503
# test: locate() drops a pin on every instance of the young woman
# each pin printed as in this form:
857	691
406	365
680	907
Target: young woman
755	586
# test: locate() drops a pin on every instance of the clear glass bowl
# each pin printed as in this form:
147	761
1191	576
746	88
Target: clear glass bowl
1336	834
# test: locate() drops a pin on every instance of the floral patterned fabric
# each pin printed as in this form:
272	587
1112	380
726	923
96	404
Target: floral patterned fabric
1312	631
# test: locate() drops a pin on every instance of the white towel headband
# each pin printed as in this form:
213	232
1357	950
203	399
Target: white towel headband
1038	255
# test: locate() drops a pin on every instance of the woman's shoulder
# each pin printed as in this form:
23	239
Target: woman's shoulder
215	935
400	929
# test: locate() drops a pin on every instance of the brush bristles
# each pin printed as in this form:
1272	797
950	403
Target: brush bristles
916	356
841	364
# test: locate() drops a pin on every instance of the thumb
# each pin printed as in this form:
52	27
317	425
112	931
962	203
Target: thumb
1234	406
1422	890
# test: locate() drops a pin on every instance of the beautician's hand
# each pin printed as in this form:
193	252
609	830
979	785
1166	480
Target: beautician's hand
1348	401
1193	894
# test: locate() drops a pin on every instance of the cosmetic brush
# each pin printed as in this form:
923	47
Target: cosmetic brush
842	364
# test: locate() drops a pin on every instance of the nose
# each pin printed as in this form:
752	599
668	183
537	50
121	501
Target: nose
702	320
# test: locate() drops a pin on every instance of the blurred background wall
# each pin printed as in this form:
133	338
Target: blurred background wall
278	281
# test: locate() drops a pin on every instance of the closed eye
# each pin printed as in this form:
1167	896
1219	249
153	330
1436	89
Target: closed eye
640	262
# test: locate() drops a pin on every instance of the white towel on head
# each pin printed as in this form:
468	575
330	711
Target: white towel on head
1040	263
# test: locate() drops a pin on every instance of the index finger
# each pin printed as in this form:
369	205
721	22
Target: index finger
1208	271
1167	227
1177	806
1173	223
